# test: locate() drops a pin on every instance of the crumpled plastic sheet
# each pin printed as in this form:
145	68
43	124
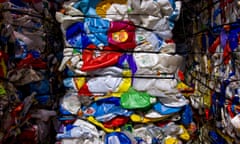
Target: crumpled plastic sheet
31	50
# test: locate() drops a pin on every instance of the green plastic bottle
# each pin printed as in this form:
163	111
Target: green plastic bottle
133	99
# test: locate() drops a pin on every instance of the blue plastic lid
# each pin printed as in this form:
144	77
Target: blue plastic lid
165	110
117	138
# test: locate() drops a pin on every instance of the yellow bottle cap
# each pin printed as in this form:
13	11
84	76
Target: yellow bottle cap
171	140
184	135
139	119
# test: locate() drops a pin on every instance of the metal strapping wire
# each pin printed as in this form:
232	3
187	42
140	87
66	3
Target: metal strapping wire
136	51
139	76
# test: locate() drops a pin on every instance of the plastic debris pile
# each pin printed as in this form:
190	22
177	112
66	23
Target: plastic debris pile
214	71
29	57
123	79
